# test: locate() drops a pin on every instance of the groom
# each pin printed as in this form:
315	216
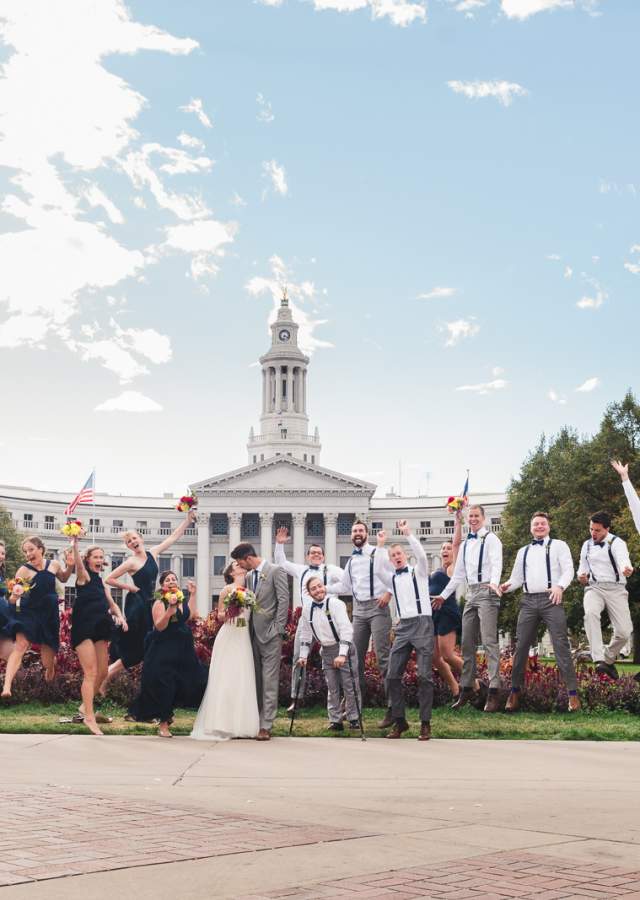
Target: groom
271	587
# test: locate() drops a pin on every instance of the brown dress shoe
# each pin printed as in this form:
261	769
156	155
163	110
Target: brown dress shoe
513	702
425	731
398	729
263	735
493	703
465	696
388	720
574	703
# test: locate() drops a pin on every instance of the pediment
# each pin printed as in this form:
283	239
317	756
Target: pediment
283	475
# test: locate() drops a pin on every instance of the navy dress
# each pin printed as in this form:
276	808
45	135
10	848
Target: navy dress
129	645
447	618
172	674
5	608
91	618
38	617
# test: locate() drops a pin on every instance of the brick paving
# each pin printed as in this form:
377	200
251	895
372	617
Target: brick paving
54	833
496	876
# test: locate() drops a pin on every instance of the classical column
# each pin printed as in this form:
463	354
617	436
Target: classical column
203	565
234	530
331	538
266	520
264	391
176	565
298	520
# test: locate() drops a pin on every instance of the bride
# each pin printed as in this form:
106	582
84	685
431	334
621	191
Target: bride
229	708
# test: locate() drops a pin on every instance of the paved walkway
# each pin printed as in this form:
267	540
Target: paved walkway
141	817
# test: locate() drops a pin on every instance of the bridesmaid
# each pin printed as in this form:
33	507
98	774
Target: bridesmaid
35	617
172	673
6	642
92	618
447	620
127	650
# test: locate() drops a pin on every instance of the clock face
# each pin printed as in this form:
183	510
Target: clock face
284	334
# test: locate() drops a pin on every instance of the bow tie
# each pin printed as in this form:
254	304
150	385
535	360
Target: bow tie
472	535
401	571
599	543
315	568
537	542
357	552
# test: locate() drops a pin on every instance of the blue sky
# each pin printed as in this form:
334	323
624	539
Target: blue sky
450	192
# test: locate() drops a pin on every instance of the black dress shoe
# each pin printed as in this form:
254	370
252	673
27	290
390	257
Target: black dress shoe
604	668
336	726
354	723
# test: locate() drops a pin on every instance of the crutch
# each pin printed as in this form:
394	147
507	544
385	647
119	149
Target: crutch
355	694
295	700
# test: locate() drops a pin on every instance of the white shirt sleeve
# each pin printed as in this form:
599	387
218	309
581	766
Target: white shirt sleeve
382	567
458	577
306	636
634	502
621	554
516	579
583	568
340	584
422	563
343	625
495	558
566	565
280	559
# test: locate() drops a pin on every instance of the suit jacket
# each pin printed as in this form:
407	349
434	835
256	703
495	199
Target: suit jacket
272	594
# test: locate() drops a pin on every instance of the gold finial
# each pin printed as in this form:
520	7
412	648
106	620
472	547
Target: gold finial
285	297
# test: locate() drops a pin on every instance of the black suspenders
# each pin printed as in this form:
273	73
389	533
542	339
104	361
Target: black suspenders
464	556
371	594
327	613
415	588
524	566
611	558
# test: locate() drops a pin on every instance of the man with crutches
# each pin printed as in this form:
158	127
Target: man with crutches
325	620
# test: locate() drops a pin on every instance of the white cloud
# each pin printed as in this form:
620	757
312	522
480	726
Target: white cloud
204	240
129	401
118	352
503	91
486	387
497	370
634	268
277	176
195	106
437	293
25	330
302	292
522	9
188	140
137	165
399	12
568	271
237	200
459	330
554	256
96	199
265	111
595	300
555	397
589	385
270	2
469	6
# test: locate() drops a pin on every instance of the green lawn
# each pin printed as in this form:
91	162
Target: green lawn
469	724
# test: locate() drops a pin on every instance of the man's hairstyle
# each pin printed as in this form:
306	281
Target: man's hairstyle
601	518
319	546
393	546
539	514
477	506
314	578
242	551
360	522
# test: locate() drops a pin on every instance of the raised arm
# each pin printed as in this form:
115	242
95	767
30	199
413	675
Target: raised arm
382	567
457	535
630	492
457	578
280	557
64	574
177	533
281	586
82	576
422	563
193	606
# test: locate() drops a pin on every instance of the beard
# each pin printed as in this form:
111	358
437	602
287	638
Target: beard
359	540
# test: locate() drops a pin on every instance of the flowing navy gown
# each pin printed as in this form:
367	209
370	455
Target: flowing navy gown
38	617
129	645
447	618
172	674
91	618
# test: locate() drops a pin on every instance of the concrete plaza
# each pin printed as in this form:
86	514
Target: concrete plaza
142	817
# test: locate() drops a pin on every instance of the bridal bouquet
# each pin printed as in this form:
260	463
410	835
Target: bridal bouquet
235	604
72	528
187	502
456	503
167	597
23	584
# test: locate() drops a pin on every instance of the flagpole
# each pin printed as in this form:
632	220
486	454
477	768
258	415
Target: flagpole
93	521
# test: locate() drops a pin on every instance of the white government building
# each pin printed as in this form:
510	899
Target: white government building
282	484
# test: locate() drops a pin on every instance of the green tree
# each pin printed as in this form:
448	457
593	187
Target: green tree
570	477
12	539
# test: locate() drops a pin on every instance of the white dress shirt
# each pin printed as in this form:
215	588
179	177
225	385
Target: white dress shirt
315	624
303	573
634	502
359	576
596	562
468	561
410	586
541	566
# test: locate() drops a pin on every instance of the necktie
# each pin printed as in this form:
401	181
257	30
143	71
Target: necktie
598	543
255	580
471	535
537	542
402	571
357	552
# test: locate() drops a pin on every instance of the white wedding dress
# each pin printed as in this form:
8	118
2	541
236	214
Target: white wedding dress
229	708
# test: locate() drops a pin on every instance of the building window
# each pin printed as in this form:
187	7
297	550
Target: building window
117	595
304	457
164	564
219	523
250	527
116	560
313	460
255	458
283	434
315	525
142	527
344	524
188	567
27	519
69	597
261	457
117	525
377	526
49	523
164	524
425	524
344	560
219	564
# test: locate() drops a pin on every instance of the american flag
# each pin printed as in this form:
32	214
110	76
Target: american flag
86	494
465	491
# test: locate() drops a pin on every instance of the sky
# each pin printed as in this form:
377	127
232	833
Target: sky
450	191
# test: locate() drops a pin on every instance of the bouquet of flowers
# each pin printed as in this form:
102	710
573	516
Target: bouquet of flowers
73	528
236	602
456	503
169	595
187	502
21	583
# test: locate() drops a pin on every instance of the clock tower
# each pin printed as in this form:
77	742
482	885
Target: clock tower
284	423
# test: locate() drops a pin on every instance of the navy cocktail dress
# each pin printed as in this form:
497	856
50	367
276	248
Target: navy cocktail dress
38	617
447	618
129	645
91	617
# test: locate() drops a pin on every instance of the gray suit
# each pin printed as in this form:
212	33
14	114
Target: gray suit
267	626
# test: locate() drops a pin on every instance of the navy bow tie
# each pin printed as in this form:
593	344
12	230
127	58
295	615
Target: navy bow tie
401	571
537	542
315	568
357	551
472	535
598	543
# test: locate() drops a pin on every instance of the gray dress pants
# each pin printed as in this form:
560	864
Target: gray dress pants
266	658
412	634
536	608
480	620
371	622
340	678
298	673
